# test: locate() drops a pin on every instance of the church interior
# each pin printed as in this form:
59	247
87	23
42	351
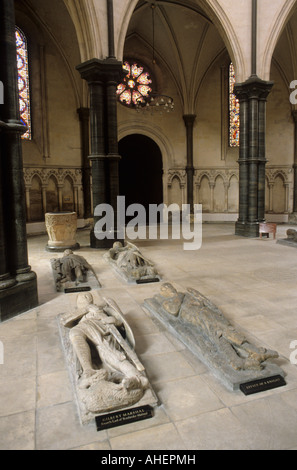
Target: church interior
174	102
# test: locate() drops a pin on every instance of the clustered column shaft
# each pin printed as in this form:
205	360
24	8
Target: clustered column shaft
189	120
102	77
294	114
252	96
84	117
15	273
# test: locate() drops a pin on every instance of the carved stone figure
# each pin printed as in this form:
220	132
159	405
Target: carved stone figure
130	262
71	270
292	234
291	239
208	333
107	372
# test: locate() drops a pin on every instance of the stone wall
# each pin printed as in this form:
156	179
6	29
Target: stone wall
217	190
52	190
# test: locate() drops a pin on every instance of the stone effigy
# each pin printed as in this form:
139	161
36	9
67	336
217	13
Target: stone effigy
71	271
202	327
129	262
292	234
105	370
291	239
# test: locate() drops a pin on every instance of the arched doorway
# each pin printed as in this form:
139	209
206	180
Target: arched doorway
140	171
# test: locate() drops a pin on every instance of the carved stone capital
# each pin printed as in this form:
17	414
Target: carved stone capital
104	71
253	88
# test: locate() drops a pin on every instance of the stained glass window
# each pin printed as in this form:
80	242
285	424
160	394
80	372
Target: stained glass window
135	88
234	109
23	81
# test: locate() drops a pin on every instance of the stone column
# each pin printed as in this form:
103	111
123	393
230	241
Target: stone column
60	197
212	186
76	207
224	110
6	280
287	191
28	203
271	185
252	95
44	201
226	187
23	295
84	117
262	156
102	77
243	161
189	120
294	114
112	143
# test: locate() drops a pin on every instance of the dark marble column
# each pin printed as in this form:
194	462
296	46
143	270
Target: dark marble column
84	117
294	114
252	95
23	295
6	280
102	77
113	151
189	120
262	158
243	160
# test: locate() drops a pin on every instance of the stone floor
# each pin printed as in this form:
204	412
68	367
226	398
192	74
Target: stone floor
252	281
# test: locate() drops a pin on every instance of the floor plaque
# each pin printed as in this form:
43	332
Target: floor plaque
123	417
262	385
147	281
72	290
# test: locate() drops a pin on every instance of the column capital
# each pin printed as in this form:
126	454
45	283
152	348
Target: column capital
101	70
14	126
253	88
189	119
84	114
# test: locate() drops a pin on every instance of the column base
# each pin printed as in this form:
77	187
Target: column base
293	218
246	229
6	281
56	249
18	299
105	243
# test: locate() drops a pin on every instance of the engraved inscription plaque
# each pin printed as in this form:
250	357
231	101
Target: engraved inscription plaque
262	385
124	417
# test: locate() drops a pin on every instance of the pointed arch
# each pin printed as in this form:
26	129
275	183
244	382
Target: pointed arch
86	23
280	23
208	8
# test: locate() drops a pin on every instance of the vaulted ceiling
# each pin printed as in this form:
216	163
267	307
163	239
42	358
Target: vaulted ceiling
182	39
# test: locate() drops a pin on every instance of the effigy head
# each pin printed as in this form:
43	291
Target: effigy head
167	290
84	299
68	252
117	245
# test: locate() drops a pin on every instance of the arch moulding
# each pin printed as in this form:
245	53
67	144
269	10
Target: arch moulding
215	12
153	132
160	139
277	28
